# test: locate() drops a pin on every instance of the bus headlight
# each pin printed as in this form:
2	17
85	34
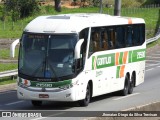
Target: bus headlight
23	83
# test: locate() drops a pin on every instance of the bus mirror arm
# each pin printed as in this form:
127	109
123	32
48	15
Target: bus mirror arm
74	66
78	49
12	48
77	66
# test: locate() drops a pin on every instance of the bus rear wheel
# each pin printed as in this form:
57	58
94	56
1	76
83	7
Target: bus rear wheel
36	103
87	99
131	84
126	86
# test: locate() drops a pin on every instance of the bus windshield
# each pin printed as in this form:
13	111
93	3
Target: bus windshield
47	56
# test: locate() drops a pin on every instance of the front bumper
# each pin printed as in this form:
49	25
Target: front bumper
54	94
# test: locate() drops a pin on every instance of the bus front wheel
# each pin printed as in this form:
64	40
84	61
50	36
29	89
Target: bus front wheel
87	98
36	103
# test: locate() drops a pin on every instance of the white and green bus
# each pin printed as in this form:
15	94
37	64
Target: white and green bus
74	57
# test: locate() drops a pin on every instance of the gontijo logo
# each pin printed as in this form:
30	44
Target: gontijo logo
118	59
103	61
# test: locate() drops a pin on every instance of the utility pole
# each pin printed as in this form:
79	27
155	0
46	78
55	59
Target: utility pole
100	10
117	8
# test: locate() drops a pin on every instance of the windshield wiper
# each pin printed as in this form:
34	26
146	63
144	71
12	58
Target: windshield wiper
41	65
52	69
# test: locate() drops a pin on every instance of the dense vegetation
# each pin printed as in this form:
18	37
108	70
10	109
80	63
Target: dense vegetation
18	9
15	14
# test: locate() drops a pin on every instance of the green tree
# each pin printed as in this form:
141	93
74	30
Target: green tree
20	8
96	3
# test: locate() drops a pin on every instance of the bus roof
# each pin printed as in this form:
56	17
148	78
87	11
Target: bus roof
74	23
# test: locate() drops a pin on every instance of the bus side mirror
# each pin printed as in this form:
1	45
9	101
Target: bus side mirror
12	48
78	49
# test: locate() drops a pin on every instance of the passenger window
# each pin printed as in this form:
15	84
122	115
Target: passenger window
112	38
135	35
104	40
96	41
138	35
120	41
142	36
129	36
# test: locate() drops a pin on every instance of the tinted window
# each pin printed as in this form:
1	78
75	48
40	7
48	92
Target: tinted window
114	37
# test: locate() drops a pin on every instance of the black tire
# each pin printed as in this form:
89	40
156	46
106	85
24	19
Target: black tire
87	99
131	84
126	86
36	103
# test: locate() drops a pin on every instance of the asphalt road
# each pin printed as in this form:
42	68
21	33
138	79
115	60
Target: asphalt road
147	92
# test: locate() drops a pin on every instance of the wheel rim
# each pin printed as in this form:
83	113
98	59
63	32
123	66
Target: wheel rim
133	80
131	84
126	86
87	95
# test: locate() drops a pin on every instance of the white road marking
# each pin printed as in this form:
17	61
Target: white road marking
149	69
150	65
156	54
15	102
6	92
153	56
126	96
157	51
153	60
40	118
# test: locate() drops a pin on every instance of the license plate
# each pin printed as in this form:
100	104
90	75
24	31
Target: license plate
43	96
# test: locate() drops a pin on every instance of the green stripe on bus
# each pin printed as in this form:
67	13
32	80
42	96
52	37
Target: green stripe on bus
139	55
121	58
130	57
93	61
118	70
107	60
51	84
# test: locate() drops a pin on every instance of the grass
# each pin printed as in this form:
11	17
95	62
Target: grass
4	81
8	66
5	53
10	34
